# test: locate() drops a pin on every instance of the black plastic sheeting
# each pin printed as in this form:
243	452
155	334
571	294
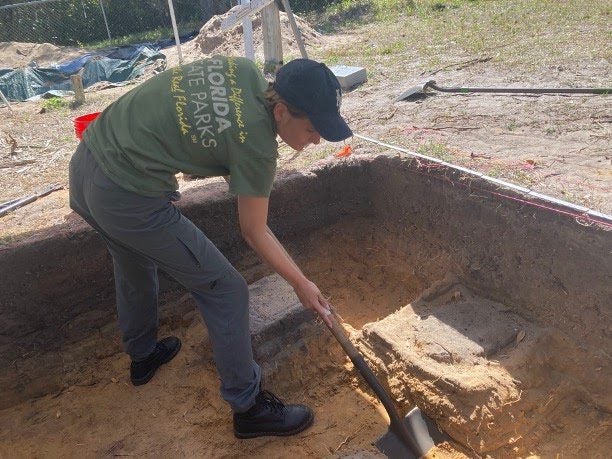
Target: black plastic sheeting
114	65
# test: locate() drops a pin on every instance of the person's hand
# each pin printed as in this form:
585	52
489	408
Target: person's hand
312	298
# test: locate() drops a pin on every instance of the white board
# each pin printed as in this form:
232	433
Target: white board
239	12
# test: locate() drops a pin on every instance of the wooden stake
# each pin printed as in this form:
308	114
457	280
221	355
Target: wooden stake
247	32
272	41
77	85
295	28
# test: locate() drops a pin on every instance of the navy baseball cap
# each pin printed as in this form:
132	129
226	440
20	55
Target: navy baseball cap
311	87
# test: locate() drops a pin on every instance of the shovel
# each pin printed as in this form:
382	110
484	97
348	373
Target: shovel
421	89
407	438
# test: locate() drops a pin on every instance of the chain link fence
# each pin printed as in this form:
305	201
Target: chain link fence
100	22
90	23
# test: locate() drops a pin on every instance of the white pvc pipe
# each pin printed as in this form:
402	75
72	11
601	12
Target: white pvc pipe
247	28
176	34
6	101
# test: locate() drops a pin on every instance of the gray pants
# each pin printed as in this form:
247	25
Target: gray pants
144	234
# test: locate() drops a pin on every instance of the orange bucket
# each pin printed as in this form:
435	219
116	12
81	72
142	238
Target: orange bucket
81	122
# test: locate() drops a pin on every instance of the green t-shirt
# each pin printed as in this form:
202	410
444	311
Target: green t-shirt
206	118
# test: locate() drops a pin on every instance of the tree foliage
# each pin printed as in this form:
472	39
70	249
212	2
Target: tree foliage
73	22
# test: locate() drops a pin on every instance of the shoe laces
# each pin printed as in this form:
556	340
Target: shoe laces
271	401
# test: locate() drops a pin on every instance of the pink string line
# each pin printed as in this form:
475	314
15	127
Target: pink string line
581	218
577	216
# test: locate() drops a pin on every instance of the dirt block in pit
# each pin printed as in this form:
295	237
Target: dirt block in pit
288	343
457	355
272	302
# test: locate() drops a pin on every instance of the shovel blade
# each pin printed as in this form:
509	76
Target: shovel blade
424	430
419	89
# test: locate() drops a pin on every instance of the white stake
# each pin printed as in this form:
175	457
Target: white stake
176	35
247	27
6	101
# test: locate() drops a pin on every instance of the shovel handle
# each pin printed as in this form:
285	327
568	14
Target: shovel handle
432	84
397	426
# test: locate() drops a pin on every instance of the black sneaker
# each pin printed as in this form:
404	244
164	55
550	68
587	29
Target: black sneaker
270	416
165	350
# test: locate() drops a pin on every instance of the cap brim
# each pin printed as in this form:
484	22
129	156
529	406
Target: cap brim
331	127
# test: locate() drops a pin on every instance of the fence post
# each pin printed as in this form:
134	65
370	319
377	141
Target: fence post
105	21
272	39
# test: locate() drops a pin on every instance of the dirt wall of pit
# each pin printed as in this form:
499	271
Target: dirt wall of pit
58	286
539	277
550	268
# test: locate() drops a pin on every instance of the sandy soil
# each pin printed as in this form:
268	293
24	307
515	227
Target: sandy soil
500	382
181	414
555	144
17	54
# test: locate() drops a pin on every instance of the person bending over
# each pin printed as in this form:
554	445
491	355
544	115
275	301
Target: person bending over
212	117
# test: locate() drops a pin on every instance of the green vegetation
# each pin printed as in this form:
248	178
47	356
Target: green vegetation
525	32
520	177
436	150
55	103
138	37
81	22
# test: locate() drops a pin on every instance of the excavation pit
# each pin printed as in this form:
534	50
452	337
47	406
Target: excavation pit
489	313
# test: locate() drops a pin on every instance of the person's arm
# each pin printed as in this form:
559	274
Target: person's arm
253	216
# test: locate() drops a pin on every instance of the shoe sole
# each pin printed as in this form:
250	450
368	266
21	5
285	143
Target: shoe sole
297	430
148	377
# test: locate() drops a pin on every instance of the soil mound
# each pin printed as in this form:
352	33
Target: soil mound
14	54
212	40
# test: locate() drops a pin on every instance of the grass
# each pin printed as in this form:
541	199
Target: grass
55	104
518	177
523	33
436	150
140	37
396	38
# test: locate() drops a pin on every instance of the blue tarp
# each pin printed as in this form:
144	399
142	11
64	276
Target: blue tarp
114	65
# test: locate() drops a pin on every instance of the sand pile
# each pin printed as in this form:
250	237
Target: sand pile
14	54
212	40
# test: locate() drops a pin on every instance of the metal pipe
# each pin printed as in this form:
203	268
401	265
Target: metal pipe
16	203
8	203
105	21
35	2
